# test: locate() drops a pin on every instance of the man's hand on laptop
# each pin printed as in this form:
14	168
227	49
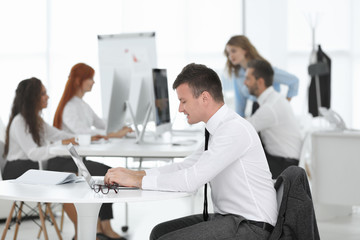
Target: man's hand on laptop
124	177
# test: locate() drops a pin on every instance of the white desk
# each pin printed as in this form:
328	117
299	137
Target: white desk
87	202
336	167
152	148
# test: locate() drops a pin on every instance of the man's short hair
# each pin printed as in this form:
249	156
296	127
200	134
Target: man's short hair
200	78
262	69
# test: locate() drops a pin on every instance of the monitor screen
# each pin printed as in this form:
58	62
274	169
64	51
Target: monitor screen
161	100
161	96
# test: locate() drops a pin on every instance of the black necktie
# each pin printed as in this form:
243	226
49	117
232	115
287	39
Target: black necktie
255	107
205	212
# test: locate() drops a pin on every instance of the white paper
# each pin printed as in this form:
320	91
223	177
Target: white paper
45	177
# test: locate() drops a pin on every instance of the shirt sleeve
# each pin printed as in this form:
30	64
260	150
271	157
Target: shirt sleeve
28	145
75	123
98	122
53	134
224	149
283	77
188	162
263	118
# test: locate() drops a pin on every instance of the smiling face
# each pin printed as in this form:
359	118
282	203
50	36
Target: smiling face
44	98
236	55
189	105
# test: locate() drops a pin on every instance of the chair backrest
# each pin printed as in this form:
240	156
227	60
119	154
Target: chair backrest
279	195
296	218
2	160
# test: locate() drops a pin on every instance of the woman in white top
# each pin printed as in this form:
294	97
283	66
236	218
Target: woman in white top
75	116
29	137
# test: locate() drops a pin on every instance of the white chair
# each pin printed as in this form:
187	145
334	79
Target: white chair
19	208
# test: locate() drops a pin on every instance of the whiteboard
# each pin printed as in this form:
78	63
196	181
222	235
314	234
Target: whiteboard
136	51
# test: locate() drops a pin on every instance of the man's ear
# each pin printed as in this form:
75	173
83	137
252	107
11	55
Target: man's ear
261	82
205	96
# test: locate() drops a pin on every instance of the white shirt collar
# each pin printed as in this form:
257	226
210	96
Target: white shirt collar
76	98
265	94
215	120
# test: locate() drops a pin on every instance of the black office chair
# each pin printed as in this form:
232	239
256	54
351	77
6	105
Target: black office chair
296	218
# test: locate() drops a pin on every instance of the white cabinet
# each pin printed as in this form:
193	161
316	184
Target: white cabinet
336	167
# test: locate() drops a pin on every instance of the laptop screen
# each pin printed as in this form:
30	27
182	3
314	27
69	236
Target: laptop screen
83	171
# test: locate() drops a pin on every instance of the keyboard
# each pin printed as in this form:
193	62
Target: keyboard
100	141
186	142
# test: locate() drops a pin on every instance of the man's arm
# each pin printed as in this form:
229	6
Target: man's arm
263	118
283	77
130	178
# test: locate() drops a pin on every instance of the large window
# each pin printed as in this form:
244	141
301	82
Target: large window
23	47
45	38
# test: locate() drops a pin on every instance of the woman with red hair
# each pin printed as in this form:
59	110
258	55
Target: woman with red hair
75	116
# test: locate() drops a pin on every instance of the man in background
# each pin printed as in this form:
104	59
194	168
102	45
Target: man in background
274	120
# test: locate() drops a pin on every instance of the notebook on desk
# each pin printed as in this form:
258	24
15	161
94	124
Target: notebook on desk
83	171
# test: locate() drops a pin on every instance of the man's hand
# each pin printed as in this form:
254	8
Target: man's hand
124	177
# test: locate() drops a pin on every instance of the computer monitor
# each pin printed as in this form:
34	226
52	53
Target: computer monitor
149	102
161	101
141	103
141	97
119	95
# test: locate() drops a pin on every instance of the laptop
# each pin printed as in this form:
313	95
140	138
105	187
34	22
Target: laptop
83	171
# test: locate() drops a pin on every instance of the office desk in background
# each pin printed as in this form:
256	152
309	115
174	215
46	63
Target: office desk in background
151	148
336	168
87	202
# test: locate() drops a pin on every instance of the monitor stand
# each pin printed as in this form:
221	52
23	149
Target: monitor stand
139	134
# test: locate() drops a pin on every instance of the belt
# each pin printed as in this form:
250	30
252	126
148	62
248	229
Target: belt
266	226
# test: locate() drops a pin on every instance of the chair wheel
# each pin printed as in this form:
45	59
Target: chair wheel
124	228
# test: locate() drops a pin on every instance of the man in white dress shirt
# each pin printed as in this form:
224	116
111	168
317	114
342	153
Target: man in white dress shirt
274	120
234	165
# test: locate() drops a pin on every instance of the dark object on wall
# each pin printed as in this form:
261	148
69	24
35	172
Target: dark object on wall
320	85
